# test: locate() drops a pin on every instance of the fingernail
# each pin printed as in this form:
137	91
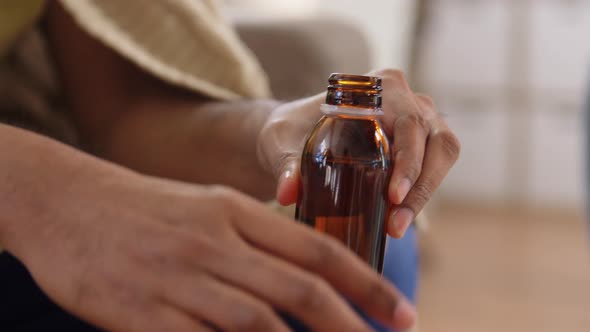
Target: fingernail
403	188
404	316
284	176
287	174
285	188
401	220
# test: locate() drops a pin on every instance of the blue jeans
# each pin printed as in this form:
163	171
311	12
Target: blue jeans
401	263
401	266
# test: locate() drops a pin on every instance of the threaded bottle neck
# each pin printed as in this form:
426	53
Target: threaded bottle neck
346	90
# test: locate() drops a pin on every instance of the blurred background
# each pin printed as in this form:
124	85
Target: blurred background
505	247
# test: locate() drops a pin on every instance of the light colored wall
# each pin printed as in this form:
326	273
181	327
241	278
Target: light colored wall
274	7
387	23
511	77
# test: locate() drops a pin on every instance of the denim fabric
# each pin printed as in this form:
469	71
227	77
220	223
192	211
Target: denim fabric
401	266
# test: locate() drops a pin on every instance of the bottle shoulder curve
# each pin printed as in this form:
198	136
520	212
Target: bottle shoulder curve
348	139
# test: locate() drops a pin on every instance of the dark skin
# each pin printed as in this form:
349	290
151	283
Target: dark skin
143	253
129	117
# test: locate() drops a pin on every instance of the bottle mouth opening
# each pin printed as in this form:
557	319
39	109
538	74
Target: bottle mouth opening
348	81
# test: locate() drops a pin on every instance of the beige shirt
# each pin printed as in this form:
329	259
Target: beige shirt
184	42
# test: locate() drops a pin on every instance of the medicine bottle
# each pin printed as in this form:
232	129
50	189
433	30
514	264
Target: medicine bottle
345	168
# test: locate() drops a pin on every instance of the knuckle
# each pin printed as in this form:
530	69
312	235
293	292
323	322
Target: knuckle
191	246
326	253
426	100
427	106
421	193
391	73
409	164
225	196
413	119
254	261
450	144
253	318
282	161
278	125
194	250
220	191
393	78
414	169
310	293
378	292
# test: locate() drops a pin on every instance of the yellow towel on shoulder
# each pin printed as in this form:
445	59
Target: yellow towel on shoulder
16	16
184	42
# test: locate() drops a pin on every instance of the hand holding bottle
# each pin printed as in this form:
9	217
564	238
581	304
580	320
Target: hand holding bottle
424	148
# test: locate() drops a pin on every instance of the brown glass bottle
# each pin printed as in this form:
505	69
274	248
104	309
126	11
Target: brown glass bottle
345	168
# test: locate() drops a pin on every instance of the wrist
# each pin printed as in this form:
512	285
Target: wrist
263	137
287	124
37	188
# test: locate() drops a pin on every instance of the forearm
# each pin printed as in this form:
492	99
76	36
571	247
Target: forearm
131	117
193	140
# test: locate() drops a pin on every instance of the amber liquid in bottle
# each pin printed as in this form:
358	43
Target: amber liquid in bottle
345	171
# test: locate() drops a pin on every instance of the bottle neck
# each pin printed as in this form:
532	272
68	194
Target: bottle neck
354	91
351	112
353	96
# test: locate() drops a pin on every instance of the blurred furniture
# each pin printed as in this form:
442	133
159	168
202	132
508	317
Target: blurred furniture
299	54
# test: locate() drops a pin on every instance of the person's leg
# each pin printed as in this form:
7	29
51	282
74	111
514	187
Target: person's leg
24	307
401	265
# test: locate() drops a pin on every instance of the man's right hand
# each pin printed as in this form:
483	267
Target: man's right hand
130	253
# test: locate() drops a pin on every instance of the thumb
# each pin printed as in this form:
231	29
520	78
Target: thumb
289	182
